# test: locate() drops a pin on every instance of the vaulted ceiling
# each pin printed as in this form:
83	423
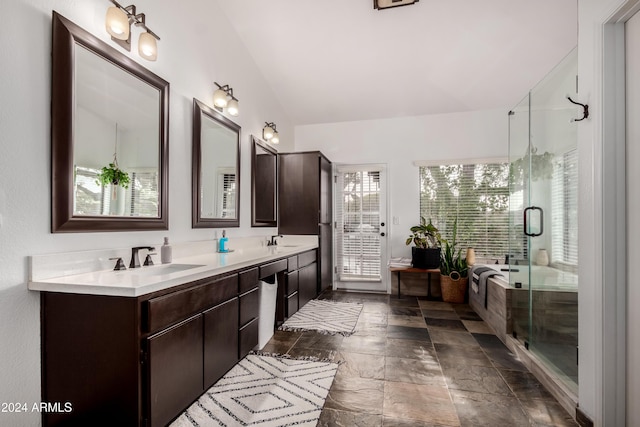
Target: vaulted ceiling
341	60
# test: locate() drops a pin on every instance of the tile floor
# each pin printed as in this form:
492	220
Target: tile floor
413	362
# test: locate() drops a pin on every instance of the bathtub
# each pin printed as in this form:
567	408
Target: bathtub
544	278
554	291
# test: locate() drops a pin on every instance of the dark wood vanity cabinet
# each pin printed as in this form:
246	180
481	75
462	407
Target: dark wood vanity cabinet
305	205
140	361
301	281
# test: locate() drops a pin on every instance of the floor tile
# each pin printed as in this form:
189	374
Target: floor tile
525	385
411	362
356	395
481	379
415	371
435	305
404	301
315	340
481	409
440	314
406	311
411	349
453	337
364	344
420	402
547	413
477	326
360	365
451	356
449	324
412	321
396	422
408	333
336	418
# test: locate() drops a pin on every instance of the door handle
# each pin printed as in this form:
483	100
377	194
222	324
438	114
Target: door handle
526	227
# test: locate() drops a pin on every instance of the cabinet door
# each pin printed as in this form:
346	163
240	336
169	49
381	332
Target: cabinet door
325	258
299	193
307	283
325	191
175	370
220	340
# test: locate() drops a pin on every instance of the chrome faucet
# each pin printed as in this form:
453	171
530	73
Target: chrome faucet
273	241
135	261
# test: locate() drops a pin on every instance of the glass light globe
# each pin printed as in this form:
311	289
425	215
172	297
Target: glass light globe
275	139
117	23
147	47
232	107
220	98
267	132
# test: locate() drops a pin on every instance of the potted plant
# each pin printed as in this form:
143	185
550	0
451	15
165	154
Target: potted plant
426	238
454	271
112	174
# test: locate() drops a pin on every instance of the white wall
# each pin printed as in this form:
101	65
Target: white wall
191	59
398	142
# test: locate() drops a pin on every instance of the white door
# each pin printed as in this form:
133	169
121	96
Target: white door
361	228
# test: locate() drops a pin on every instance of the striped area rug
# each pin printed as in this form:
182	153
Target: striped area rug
264	391
325	317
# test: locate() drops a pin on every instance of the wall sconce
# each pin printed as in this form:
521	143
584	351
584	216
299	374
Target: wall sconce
270	133
223	98
118	24
385	4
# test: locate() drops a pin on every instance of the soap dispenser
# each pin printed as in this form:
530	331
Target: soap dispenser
222	243
166	252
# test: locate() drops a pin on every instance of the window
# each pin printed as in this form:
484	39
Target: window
477	196
564	208
92	199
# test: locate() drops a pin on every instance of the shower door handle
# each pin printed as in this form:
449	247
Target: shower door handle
526	216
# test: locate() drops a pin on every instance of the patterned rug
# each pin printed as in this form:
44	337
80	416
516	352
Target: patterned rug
264	391
326	317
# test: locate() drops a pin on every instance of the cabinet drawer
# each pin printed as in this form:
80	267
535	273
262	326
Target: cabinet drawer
306	258
171	308
291	283
292	304
248	279
272	268
248	337
292	263
249	306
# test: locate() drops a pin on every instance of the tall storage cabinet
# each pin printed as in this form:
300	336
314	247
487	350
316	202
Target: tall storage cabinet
305	203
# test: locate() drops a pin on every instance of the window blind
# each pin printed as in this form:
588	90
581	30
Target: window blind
357	234
477	196
564	209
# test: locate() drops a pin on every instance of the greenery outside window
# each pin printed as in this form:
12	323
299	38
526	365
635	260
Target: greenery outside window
477	195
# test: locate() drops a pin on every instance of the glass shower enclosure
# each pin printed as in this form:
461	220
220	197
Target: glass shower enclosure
543	221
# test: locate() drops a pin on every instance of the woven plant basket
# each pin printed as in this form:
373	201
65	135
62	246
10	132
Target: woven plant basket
454	287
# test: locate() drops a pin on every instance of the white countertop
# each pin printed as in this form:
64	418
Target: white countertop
144	280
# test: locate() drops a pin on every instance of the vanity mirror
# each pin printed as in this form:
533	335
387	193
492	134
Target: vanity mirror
216	169
264	200
109	137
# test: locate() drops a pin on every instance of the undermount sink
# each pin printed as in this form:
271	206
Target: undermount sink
288	246
163	269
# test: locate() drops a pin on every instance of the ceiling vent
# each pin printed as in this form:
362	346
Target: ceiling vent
385	4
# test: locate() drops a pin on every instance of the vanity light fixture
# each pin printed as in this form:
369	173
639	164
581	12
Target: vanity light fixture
223	98
270	133
386	4
118	24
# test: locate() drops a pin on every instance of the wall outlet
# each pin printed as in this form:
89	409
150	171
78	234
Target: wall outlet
396	220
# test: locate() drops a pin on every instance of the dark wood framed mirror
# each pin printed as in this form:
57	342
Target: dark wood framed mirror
264	184
108	113
215	169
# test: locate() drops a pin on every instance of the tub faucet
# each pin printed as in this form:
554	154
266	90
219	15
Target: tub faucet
135	261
